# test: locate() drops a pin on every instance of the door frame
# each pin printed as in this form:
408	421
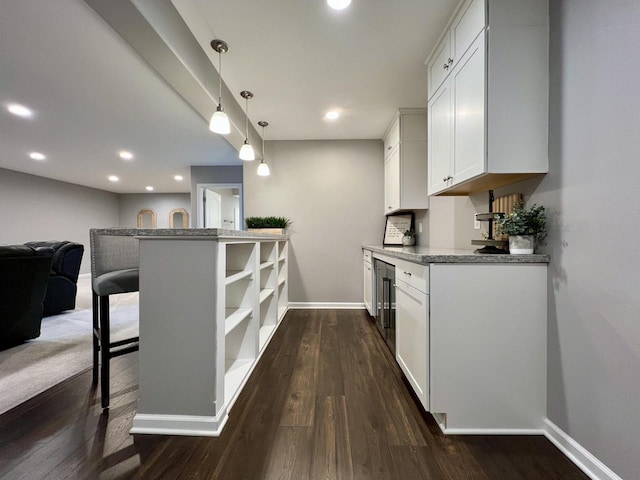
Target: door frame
200	187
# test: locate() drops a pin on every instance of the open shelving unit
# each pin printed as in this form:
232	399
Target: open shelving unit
239	307
282	271
201	346
268	277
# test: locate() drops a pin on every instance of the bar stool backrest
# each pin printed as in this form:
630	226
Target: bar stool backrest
112	250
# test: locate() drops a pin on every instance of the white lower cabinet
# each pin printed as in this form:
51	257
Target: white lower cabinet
471	341
412	337
368	281
488	369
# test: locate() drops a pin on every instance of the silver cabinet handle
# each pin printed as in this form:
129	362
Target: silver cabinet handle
389	147
450	61
407	273
445	66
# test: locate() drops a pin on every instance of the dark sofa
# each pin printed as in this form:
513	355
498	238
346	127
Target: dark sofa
63	278
24	273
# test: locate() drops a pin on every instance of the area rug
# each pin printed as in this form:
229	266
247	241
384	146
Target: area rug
63	349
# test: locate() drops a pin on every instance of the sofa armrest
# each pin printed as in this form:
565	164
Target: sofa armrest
67	261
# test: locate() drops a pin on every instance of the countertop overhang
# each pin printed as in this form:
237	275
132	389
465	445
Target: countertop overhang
427	255
203	233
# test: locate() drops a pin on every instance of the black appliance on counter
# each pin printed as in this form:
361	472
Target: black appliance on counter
386	302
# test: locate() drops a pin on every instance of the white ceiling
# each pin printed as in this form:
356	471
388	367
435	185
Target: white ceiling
93	95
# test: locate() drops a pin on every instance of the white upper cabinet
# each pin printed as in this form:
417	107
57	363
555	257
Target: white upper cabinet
488	97
405	162
466	25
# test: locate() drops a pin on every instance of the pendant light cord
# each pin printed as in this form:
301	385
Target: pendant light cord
246	119
220	79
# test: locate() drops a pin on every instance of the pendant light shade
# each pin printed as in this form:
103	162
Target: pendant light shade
219	121
246	151
263	168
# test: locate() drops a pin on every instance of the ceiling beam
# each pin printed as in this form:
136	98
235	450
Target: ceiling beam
157	32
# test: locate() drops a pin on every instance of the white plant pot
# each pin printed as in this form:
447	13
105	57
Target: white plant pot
521	244
407	241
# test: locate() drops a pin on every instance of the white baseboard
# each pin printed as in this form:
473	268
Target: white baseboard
579	455
190	425
326	305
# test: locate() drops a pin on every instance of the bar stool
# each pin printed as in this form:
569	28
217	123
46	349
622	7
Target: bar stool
114	270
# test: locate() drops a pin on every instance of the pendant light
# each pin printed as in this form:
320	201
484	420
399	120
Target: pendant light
263	168
246	151
219	121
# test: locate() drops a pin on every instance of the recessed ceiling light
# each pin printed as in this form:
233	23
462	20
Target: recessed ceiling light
37	156
125	155
149	188
19	110
113	178
339	4
179	178
332	115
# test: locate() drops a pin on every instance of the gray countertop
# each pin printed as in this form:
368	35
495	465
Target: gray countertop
217	233
427	255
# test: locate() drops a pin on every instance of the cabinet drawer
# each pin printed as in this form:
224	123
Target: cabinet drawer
392	138
366	255
413	274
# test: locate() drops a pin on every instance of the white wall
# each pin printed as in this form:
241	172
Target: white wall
591	197
591	192
162	203
333	193
37	208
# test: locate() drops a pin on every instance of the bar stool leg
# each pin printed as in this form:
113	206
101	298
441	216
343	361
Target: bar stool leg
104	350
96	340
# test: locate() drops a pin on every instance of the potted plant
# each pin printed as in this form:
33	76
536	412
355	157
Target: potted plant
524	226
276	225
409	238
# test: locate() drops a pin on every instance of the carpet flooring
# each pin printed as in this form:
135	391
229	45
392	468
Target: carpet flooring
63	349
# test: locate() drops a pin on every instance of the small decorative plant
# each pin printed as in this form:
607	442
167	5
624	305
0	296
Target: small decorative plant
523	221
409	238
267	222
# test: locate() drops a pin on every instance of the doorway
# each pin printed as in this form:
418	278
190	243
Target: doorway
220	206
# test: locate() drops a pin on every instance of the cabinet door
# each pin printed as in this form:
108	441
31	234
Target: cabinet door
412	338
439	139
466	26
368	287
392	137
440	66
392	181
468	93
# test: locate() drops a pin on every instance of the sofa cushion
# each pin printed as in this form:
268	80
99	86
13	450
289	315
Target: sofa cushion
17	251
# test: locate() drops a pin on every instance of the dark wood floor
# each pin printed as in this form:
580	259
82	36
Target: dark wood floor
325	402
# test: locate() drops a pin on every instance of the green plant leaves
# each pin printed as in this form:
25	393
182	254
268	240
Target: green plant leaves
267	222
522	221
